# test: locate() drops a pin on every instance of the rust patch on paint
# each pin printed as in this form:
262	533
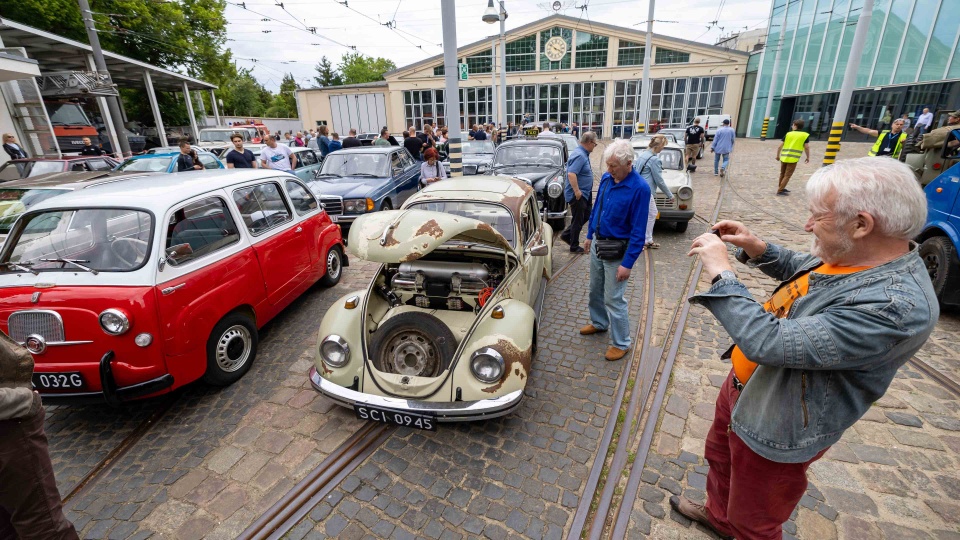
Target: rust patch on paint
430	228
412	256
515	359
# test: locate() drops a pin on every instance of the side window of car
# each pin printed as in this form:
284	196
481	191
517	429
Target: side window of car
79	166
199	228
303	201
397	163
262	207
407	159
527	224
99	165
208	162
306	158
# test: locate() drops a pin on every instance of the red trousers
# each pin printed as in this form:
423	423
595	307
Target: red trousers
748	496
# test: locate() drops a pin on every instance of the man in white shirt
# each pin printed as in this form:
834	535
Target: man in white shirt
923	122
277	156
546	132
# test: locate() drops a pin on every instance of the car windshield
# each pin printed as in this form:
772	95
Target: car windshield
494	215
356	164
215	136
527	154
102	239
670	158
478	147
67	114
150	164
14	202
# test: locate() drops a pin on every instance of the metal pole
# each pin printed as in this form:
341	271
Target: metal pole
849	81
155	107
216	109
502	98
113	102
642	119
190	113
773	74
108	124
494	96
448	17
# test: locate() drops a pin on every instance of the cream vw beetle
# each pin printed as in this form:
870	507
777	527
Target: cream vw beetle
446	330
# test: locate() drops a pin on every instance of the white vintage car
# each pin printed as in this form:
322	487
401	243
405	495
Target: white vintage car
446	330
677	178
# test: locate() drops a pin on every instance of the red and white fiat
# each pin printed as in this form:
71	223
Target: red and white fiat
138	287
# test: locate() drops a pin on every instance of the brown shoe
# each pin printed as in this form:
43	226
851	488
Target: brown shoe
614	353
591	329
695	512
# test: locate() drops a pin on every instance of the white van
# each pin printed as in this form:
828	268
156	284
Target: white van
711	122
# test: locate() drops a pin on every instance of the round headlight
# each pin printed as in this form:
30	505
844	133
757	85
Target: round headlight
334	351
487	365
554	189
114	322
143	340
481	168
349	206
686	192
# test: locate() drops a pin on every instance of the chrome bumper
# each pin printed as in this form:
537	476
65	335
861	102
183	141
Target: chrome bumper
341	218
556	215
456	411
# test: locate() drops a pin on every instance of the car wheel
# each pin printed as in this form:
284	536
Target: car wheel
386	206
231	349
334	267
682	226
557	224
940	258
413	343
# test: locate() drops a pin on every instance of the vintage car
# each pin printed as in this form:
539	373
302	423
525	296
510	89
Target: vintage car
675	174
28	168
308	163
356	181
940	238
215	140
569	140
166	162
477	157
541	163
680	136
446	330
138	287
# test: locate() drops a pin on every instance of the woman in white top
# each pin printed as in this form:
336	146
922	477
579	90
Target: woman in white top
431	170
649	167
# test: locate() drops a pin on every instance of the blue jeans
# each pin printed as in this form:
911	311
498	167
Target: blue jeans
716	162
608	304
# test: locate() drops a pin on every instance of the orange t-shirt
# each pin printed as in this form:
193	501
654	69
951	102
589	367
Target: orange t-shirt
779	305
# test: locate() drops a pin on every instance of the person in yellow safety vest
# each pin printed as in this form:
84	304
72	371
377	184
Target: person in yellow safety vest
889	142
788	154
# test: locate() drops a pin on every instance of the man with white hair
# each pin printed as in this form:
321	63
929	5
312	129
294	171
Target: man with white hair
619	222
809	362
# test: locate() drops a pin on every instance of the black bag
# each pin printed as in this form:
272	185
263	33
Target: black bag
608	249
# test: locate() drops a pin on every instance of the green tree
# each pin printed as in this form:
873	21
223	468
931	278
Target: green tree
358	68
288	89
244	96
327	75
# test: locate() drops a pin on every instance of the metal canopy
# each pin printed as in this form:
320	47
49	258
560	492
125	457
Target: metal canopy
57	53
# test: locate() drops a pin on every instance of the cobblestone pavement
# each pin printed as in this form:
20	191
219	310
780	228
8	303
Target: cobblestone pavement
219	457
893	475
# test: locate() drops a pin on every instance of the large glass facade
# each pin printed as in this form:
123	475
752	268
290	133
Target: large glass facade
563	63
908	42
422	107
674	102
591	50
630	53
522	54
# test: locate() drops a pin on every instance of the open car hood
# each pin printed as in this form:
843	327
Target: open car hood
394	236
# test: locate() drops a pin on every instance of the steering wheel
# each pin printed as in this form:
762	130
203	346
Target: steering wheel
129	250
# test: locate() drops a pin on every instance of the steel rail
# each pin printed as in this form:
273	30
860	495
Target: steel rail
107	463
593	480
296	503
938	376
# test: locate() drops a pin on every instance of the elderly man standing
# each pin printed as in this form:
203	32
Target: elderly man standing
805	371
578	191
619	222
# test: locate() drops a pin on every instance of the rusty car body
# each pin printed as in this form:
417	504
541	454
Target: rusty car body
446	329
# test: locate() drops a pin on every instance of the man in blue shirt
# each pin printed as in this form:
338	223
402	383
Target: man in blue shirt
623	201
722	146
579	190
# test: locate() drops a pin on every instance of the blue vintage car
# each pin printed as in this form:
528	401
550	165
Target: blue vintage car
165	162
940	238
356	181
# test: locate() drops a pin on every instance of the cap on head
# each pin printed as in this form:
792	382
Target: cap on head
955	114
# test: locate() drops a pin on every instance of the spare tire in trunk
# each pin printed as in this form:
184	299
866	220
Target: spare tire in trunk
413	343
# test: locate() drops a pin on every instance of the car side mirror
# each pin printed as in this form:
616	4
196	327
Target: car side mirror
539	250
171	254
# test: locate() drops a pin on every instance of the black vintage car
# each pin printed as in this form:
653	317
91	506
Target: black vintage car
541	163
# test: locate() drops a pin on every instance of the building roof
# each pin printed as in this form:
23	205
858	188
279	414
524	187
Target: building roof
57	53
570	21
374	84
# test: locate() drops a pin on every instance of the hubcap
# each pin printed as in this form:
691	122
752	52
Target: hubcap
932	263
233	348
411	353
333	264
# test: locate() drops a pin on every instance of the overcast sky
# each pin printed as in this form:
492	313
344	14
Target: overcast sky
417	32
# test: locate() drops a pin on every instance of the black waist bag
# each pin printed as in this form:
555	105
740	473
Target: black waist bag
610	249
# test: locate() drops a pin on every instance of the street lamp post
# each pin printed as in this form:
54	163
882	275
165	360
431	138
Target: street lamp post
490	16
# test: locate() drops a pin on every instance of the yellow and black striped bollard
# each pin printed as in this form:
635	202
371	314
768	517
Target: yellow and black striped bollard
641	128
455	155
833	144
763	130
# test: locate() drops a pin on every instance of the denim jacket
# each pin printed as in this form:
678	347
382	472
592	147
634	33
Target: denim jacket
835	354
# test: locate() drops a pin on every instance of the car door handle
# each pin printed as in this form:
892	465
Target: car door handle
298	229
171	290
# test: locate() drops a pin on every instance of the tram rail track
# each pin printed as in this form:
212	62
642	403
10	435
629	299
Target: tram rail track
939	377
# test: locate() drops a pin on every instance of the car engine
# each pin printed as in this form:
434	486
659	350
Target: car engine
448	285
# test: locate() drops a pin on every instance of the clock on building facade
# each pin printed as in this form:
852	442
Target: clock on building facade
555	48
